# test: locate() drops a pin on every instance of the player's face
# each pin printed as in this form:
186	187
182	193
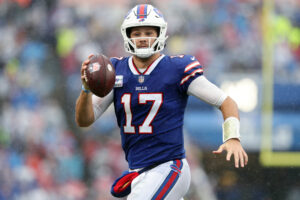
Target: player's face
143	37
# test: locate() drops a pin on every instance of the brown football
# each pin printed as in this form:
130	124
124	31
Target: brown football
100	75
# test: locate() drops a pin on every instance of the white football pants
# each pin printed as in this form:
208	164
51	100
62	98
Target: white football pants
167	181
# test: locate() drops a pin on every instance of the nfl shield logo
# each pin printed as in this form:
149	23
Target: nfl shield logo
141	79
96	67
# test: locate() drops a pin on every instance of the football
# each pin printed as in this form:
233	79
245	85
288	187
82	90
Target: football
100	75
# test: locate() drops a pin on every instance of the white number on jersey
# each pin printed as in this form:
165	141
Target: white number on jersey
125	100
146	127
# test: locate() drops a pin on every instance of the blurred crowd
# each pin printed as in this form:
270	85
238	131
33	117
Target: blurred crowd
43	154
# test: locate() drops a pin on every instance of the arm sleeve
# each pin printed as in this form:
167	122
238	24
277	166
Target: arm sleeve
101	104
206	91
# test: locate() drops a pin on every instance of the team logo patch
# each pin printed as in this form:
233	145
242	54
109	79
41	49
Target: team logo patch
141	79
119	81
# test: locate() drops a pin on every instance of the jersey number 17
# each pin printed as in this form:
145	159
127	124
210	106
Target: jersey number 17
143	98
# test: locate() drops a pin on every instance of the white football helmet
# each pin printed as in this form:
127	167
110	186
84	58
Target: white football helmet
144	15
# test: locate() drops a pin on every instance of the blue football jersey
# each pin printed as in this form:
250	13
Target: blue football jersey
150	106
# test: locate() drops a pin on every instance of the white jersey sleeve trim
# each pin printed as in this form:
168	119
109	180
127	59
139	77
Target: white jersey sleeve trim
101	104
206	91
190	75
191	66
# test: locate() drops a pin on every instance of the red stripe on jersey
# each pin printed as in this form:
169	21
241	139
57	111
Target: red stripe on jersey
148	67
190	75
137	69
191	66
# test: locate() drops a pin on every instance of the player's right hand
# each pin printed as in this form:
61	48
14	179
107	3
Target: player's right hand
234	147
84	65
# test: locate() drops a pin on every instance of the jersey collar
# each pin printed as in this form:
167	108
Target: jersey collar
149	69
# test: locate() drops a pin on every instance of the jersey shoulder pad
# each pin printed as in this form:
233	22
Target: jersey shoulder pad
185	62
116	61
188	68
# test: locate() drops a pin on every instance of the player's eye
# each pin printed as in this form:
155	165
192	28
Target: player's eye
135	34
149	33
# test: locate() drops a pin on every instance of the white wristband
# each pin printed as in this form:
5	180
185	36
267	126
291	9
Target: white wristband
231	129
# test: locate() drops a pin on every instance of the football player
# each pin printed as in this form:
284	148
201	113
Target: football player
150	96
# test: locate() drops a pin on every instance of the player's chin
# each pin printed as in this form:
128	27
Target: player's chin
143	46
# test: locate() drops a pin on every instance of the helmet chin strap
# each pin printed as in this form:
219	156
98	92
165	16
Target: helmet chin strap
144	53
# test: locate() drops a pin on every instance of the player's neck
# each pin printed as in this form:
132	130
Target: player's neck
141	63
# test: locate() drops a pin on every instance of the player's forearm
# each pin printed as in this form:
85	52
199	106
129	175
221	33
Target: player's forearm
231	125
229	108
84	114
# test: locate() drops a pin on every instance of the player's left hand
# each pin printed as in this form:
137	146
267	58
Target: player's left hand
234	147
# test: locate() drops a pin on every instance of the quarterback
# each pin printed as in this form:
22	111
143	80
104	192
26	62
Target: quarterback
150	95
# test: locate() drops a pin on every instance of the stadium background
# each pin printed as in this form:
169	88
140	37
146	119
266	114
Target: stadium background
250	48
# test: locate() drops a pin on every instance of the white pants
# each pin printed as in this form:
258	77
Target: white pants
167	181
